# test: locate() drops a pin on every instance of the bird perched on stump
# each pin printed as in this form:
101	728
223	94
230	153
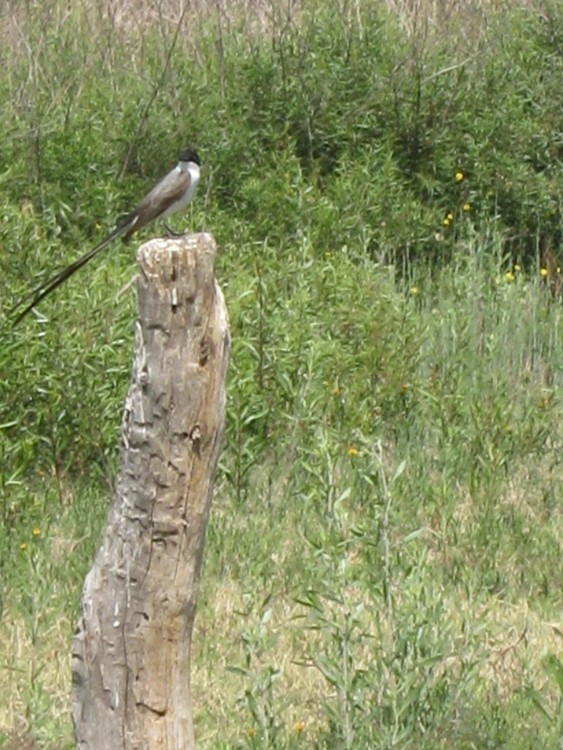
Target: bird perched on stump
171	194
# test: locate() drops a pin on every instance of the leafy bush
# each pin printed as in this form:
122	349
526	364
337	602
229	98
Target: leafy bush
387	528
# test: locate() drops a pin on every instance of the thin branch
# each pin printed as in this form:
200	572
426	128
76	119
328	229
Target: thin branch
448	69
154	94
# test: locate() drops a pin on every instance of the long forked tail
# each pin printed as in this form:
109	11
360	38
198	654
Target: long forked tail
48	286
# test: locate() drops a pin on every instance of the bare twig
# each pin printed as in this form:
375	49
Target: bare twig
448	69
144	117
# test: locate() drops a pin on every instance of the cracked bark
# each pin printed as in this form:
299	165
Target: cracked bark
131	647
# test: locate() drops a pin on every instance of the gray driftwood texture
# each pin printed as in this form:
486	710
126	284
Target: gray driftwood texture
131	648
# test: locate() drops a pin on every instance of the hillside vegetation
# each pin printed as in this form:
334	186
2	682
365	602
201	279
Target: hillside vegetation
384	181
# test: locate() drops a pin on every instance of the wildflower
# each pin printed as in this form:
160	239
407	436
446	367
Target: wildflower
414	290
23	546
446	222
352	452
458	176
509	276
544	273
299	726
450	217
467	207
250	732
36	531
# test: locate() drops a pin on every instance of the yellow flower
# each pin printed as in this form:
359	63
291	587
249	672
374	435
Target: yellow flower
446	222
250	732
352	452
458	176
450	217
414	290
509	276
23	546
467	207
544	273
36	531
299	726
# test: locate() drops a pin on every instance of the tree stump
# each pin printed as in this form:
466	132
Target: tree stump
131	647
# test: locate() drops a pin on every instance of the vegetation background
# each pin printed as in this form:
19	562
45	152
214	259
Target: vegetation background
384	180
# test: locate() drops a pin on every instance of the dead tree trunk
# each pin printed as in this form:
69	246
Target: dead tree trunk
131	648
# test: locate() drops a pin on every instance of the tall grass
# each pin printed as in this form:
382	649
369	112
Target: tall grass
383	559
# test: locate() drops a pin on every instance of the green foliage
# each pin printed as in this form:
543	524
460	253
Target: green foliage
387	524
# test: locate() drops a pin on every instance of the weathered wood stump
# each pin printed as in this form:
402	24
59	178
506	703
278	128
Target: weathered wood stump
131	648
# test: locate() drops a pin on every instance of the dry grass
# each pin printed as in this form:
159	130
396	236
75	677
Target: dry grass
34	672
506	641
271	17
512	641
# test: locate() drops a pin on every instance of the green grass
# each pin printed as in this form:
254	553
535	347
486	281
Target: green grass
423	502
383	560
384	552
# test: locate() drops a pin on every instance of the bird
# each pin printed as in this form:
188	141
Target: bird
171	194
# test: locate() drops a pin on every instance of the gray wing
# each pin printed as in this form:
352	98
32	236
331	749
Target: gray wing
168	191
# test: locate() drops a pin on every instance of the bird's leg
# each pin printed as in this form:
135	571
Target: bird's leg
171	232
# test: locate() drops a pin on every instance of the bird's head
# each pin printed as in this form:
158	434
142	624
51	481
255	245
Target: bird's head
189	155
